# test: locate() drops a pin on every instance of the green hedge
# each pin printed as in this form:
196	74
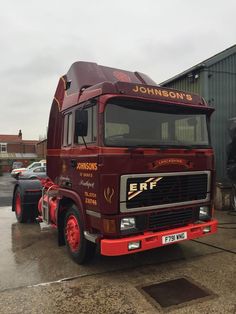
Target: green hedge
1	170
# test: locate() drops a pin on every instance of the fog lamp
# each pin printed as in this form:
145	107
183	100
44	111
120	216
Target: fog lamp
204	213
127	223
207	229
134	245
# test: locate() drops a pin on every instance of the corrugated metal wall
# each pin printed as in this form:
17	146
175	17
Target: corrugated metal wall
222	96
217	84
188	84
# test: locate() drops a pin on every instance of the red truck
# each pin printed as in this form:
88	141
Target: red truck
130	165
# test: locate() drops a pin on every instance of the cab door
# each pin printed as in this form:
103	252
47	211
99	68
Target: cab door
86	170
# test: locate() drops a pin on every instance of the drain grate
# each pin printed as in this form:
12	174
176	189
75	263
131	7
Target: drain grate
175	292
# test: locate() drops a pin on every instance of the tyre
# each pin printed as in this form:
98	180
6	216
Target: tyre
22	214
80	249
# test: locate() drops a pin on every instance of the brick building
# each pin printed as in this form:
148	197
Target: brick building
41	149
14	148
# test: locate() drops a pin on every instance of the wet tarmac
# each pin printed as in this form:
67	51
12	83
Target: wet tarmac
6	189
31	257
37	276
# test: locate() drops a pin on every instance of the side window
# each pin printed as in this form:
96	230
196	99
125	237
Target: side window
67	131
92	126
36	164
37	170
40	169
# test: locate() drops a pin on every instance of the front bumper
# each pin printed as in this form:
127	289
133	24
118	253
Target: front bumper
152	240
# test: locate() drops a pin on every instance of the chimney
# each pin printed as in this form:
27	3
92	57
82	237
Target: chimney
20	134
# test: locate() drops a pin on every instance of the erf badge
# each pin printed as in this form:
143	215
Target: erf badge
137	188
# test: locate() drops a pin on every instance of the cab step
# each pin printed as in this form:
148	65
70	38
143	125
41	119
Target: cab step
45	226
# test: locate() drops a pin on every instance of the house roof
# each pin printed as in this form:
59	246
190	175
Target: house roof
4	138
204	64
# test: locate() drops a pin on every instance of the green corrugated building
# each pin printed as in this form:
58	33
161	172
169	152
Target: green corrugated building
215	80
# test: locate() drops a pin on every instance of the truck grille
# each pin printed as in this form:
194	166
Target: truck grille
172	218
164	190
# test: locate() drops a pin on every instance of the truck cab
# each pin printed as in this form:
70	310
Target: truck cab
130	163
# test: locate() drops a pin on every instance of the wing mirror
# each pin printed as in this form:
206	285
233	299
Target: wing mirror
81	122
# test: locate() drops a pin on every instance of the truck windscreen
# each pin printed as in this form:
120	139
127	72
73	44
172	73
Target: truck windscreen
139	124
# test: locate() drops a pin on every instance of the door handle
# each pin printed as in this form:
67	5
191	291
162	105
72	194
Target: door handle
73	163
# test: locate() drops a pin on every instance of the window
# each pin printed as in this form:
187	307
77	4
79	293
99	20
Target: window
3	147
116	129
40	169
191	129
130	123
35	164
67	132
91	136
164	131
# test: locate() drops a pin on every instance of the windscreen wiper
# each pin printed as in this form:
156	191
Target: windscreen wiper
155	146
168	146
134	147
161	146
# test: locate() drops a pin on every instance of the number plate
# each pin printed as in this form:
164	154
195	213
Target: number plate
174	237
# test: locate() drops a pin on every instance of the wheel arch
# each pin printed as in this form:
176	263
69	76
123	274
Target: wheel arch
27	186
25	200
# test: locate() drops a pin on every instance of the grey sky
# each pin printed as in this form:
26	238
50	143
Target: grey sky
41	39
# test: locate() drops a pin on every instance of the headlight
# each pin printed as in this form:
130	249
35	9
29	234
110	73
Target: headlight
127	223
204	213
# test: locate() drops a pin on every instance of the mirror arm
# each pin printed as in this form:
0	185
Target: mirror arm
84	142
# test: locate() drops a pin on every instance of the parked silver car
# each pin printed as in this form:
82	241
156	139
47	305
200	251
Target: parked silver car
34	173
17	171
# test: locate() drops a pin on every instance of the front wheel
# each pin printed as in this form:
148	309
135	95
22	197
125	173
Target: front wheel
80	249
